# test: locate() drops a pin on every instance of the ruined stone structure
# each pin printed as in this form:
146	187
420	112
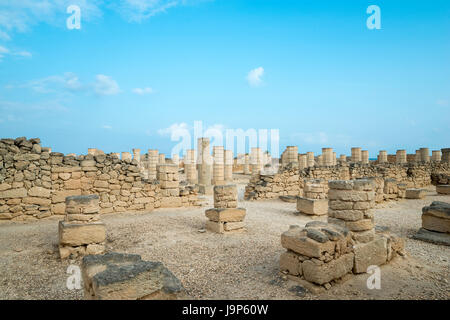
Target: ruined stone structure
398	178
118	276
314	201
225	216
356	154
81	232
34	183
323	253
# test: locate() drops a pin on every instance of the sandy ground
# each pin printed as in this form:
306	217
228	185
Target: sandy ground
213	266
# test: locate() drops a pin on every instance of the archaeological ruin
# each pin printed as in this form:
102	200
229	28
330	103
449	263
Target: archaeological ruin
337	195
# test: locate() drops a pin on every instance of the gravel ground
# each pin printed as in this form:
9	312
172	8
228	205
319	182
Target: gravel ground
213	266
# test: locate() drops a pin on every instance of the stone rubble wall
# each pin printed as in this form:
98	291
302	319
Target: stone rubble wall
410	175
34	182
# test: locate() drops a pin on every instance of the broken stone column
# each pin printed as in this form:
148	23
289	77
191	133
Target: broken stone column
205	167
152	163
126	156
382	157
116	155
120	276
356	154
435	223
190	167
445	155
161	158
302	161
424	154
81	232
310	159
225	216
137	155
320	160
247	164
228	169
400	157
349	203
436	155
292	154
327	156
170	185
218	166
334	159
365	156
342	158
418	156
313	202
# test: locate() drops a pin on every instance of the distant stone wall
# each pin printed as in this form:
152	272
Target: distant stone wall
35	182
412	175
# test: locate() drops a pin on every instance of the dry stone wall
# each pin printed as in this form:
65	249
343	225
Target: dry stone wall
35	182
410	175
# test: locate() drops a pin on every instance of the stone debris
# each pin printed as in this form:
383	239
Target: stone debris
118	276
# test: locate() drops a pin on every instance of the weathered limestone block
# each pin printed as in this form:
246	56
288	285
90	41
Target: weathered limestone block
215	226
371	253
309	242
116	276
289	261
225	196
415	193
76	234
86	204
226	215
312	206
441	189
324	273
436	217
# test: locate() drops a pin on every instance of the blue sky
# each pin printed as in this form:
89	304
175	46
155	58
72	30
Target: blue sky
312	69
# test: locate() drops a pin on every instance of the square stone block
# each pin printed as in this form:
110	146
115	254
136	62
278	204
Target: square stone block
371	253
326	272
226	215
312	206
443	189
415	193
76	234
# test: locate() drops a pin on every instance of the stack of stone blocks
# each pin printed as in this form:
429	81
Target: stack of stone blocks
324	253
314	201
225	217
81	232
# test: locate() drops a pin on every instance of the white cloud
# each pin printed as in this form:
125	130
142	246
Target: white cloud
105	85
442	102
142	91
5	51
107	127
4	36
174	129
254	77
49	84
69	82
21	16
139	10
